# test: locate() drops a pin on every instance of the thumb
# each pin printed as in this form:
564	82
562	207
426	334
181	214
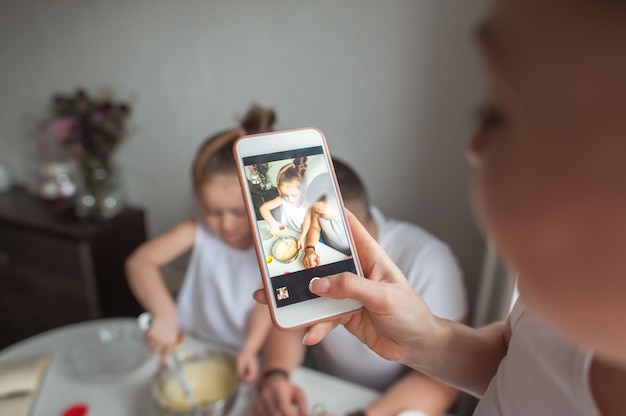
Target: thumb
375	263
349	285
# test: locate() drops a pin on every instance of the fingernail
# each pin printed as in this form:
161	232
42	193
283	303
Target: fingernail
304	338
318	285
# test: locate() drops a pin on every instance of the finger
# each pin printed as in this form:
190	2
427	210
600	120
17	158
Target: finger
259	296
373	259
249	371
171	349
348	285
157	347
153	346
241	369
279	398
318	331
300	402
270	403
260	405
285	407
162	357
246	376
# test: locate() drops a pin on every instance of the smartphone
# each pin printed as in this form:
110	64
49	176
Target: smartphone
295	208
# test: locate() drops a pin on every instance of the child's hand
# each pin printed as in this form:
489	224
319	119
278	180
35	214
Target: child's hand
301	242
276	228
247	366
163	336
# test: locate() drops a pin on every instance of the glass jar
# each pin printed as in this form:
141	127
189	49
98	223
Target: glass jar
99	197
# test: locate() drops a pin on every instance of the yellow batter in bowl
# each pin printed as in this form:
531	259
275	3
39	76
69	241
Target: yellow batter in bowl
285	249
211	375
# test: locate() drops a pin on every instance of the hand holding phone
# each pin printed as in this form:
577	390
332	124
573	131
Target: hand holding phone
296	213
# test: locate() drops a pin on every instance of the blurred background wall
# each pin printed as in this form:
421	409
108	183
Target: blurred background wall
394	86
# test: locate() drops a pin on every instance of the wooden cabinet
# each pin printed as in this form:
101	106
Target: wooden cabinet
56	269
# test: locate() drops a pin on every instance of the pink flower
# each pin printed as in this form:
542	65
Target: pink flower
64	128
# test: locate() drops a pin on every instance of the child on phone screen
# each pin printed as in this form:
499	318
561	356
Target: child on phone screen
214	302
432	272
291	185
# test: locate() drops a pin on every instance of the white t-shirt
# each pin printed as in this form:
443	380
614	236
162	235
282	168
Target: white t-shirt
432	271
215	299
293	216
335	234
541	374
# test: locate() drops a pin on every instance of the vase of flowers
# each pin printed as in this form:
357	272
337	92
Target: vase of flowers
261	186
90	129
259	176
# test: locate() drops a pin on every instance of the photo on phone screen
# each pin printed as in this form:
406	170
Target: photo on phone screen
294	200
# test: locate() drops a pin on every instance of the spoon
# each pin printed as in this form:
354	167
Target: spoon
171	362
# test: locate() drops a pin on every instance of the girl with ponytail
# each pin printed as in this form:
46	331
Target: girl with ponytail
215	301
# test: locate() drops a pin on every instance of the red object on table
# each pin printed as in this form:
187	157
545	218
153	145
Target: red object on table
78	409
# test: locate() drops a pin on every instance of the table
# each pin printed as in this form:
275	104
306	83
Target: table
130	395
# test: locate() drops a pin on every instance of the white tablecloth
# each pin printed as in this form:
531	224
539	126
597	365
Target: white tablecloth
129	395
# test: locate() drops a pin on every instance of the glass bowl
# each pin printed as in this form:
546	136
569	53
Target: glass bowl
285	249
109	351
264	230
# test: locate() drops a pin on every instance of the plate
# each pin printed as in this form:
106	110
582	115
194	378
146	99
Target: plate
111	350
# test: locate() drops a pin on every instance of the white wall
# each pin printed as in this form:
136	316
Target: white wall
393	84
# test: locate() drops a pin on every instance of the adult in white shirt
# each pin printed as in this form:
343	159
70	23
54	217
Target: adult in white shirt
431	270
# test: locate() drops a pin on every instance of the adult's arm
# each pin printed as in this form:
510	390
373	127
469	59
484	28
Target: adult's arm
414	391
282	353
398	325
311	258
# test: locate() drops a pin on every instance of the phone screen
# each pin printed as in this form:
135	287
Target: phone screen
296	188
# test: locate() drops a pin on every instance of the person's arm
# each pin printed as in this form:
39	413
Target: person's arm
266	212
397	329
304	229
259	325
282	353
414	391
143	271
311	258
397	324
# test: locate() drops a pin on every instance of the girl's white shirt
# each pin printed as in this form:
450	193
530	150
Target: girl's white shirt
215	299
293	216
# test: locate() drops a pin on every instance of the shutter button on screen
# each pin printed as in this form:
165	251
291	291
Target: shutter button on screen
311	281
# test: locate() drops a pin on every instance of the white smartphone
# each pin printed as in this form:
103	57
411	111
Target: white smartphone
295	210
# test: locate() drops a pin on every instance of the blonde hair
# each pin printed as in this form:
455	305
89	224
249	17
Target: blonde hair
215	155
292	172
